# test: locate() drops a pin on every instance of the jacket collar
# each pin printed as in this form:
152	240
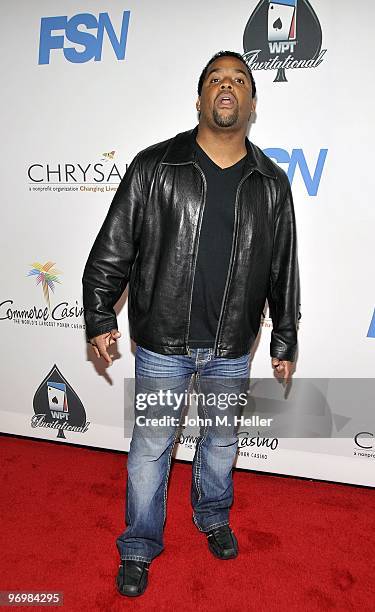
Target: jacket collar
182	151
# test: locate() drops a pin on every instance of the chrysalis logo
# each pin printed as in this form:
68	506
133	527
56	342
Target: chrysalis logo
282	35
72	176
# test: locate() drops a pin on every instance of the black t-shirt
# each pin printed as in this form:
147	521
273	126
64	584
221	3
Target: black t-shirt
215	244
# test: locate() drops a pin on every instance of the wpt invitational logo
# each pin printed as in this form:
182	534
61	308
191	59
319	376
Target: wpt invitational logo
57	406
44	311
283	35
95	176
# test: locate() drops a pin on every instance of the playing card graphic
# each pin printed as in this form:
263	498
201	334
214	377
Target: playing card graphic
57	396
282	20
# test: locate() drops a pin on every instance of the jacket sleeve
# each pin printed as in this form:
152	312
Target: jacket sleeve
284	287
107	270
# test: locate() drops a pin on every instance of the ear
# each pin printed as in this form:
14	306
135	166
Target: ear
198	104
252	107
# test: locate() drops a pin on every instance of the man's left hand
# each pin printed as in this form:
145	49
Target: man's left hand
283	369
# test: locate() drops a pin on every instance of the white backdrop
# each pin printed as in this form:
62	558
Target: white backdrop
70	128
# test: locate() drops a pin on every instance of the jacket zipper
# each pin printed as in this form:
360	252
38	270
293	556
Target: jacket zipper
229	273
196	252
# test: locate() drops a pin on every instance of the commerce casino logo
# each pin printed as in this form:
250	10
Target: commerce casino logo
46	276
57	406
62	314
283	35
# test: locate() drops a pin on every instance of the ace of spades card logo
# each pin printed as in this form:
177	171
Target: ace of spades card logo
57	406
283	35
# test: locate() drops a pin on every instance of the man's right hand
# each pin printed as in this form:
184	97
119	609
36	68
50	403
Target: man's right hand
101	343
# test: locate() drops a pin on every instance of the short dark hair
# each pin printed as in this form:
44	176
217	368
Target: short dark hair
226	54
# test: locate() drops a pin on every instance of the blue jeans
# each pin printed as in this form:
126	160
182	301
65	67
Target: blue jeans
150	452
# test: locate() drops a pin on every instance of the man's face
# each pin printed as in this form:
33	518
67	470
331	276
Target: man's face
225	100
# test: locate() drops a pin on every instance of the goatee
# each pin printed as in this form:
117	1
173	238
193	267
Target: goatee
226	121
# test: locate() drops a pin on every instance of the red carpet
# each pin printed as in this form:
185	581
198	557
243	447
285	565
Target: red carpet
304	545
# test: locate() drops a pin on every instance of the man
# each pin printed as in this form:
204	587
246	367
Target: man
202	227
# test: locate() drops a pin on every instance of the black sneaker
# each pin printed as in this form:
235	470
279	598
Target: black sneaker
222	542
132	577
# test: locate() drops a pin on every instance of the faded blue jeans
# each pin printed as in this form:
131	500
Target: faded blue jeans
151	447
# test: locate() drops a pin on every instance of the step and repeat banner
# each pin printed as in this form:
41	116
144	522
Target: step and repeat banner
88	84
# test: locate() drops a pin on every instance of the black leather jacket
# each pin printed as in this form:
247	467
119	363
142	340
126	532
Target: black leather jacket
149	239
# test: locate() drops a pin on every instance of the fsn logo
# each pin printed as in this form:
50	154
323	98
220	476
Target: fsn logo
76	30
371	329
297	158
